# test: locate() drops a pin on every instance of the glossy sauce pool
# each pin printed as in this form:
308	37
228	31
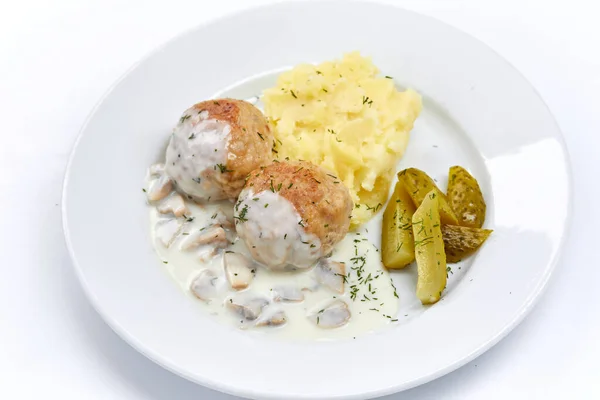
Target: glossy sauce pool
368	291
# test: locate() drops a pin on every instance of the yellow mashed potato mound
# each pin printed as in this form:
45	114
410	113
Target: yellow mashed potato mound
342	116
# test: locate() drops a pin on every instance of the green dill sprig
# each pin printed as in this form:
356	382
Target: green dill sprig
242	216
222	168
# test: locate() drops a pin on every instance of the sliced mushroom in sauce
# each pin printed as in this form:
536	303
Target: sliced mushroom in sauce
276	318
167	230
287	294
204	286
159	188
213	235
331	274
221	219
173	204
238	269
249	308
207	253
334	315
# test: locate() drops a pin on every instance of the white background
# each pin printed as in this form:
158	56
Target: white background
57	59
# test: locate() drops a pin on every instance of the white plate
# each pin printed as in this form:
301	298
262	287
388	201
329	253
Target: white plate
478	111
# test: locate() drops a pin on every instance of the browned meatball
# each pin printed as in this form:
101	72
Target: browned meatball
215	145
320	205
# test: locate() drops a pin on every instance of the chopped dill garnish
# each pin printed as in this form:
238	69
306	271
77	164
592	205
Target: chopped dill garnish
222	168
242	216
425	241
395	291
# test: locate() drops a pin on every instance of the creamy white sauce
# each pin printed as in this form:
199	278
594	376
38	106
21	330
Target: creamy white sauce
167	230
197	153
273	232
288	304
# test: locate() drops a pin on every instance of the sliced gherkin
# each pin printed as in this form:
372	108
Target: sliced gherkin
397	243
429	250
465	198
462	241
418	184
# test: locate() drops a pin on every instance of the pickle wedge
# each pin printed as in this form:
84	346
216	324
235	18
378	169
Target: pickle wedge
418	184
465	198
397	243
462	241
429	249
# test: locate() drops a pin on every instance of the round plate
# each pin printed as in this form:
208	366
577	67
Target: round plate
484	104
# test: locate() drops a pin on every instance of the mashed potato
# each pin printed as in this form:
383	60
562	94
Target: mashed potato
341	116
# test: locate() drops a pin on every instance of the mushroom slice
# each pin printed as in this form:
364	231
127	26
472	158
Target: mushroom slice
331	274
160	188
334	315
248	309
287	294
157	169
207	254
204	286
173	204
238	269
274	319
220	218
213	235
167	230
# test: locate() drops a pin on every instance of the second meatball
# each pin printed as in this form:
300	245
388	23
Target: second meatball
292	214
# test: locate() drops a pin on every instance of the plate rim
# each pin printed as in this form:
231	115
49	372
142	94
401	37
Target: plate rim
225	387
